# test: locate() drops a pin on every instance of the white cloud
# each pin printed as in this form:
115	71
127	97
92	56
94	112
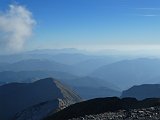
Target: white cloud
16	26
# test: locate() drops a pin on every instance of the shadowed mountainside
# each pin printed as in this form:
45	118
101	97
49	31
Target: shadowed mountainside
102	105
143	91
18	96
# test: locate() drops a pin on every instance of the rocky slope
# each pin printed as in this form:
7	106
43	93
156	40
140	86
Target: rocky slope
152	113
16	97
108	108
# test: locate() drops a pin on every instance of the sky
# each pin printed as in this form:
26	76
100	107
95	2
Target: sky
89	24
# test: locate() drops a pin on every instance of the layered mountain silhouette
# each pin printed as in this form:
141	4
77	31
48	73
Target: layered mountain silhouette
64	56
89	88
30	76
143	91
39	54
127	73
95	92
15	97
94	62
36	64
86	87
88	81
102	105
81	62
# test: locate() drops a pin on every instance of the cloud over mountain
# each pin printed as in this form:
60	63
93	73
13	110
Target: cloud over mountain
16	26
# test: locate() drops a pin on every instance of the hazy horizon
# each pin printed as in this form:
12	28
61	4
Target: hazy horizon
92	25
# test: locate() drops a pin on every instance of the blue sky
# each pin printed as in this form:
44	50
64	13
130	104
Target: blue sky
90	23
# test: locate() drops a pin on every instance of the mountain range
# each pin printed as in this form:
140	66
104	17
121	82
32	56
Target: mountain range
143	91
29	92
82	85
15	97
127	73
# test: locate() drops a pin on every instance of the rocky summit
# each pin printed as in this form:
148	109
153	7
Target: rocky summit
152	113
111	108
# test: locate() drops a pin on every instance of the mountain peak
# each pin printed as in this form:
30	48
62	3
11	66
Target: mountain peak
143	91
24	95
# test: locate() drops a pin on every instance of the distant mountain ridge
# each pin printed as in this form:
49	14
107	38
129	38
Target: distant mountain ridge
31	76
127	73
84	86
83	61
89	88
36	64
143	91
96	92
